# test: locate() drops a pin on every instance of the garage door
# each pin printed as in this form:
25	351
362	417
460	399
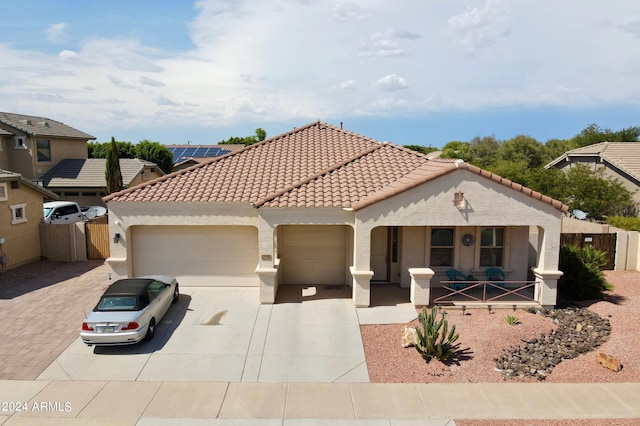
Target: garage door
197	255
313	254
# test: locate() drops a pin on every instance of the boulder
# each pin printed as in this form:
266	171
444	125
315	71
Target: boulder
609	361
409	337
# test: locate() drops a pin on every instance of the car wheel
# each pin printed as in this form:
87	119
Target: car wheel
176	294
151	330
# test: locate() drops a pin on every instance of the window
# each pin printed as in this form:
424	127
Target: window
3	192
20	142
442	246
43	148
18	213
491	246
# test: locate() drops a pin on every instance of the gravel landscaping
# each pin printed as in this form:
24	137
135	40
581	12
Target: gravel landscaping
486	340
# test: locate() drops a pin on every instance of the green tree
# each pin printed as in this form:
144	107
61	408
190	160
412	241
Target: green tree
100	150
457	149
522	149
421	149
484	150
591	192
113	175
247	140
156	153
554	148
593	134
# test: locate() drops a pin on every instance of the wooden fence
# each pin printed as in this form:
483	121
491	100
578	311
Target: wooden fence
602	242
97	234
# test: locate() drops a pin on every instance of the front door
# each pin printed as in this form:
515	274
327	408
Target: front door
380	254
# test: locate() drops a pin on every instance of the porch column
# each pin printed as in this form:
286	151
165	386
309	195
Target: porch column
361	287
547	287
267	268
268	283
361	269
420	285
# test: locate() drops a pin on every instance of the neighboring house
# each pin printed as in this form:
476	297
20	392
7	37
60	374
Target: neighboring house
618	160
185	156
21	214
322	205
84	181
31	145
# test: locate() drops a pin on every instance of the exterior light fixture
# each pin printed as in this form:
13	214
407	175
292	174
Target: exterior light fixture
116	238
458	200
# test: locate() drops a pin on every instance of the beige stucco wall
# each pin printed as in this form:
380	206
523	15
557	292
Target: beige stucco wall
4	156
22	240
488	204
23	161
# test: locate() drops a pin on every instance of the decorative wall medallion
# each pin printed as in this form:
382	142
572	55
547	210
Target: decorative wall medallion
467	239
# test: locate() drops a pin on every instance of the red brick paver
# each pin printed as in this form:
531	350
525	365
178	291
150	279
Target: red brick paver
42	306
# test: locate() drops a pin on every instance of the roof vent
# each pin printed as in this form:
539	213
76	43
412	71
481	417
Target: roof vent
44	123
28	122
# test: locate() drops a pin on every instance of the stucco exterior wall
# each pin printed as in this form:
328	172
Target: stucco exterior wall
4	156
22	240
24	161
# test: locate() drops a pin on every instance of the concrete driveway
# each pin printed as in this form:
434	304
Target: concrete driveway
224	334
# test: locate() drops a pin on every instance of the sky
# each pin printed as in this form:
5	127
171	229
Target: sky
423	72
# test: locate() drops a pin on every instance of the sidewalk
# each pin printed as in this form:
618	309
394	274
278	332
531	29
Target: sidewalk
152	403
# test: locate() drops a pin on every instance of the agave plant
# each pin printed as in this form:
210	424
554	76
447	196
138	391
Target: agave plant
435	340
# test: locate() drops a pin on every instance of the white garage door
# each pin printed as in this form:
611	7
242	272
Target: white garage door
313	254
197	255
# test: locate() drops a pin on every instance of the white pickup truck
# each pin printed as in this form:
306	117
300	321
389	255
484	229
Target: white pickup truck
56	212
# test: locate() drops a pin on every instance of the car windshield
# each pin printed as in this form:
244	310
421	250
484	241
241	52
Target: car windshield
117	303
47	211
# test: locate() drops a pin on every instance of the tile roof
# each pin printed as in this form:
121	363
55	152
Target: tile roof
318	165
90	173
7	176
623	155
40	126
5	133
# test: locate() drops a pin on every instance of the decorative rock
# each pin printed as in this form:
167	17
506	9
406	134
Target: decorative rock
409	337
608	361
578	331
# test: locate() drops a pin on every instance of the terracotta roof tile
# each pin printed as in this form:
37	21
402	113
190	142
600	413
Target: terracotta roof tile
317	165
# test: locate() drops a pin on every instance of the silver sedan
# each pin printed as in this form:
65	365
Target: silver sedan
129	311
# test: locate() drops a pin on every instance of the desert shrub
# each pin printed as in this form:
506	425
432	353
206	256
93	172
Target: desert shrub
511	320
435	340
583	278
628	223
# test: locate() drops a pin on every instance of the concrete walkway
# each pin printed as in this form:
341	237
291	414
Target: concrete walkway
222	403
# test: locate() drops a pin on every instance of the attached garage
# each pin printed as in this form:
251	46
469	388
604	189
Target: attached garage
218	256
313	254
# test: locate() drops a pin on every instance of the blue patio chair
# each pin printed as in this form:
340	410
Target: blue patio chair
455	275
495	276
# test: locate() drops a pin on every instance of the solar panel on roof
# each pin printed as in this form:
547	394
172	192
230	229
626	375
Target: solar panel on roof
189	152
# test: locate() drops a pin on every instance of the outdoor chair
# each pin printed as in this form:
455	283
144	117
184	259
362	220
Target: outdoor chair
495	276
455	275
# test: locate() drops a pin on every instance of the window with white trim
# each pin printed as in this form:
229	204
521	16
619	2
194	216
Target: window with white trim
20	142
492	246
18	213
442	246
43	150
3	192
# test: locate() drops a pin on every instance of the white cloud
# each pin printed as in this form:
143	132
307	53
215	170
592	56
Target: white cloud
56	33
66	55
345	85
150	82
391	83
117	81
344	12
279	60
481	27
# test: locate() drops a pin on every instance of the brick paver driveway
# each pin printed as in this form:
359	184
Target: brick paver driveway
42	306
